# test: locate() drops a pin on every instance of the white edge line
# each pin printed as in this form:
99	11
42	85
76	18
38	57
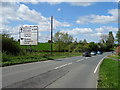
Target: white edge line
99	64
97	68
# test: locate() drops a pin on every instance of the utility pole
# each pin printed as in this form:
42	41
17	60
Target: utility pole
51	34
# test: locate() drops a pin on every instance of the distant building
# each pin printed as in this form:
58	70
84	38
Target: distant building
118	50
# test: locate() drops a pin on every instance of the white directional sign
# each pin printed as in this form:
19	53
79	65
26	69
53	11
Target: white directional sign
28	35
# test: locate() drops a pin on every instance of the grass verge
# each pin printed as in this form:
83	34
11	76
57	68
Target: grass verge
34	57
109	74
114	56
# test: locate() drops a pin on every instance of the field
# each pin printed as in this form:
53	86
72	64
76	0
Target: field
109	74
40	46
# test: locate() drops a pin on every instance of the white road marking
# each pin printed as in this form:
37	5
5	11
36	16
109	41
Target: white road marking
66	58
63	65
87	57
46	61
98	64
82	59
79	60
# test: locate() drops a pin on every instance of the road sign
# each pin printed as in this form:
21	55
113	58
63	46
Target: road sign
28	35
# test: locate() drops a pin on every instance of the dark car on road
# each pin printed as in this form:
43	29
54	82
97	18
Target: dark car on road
87	54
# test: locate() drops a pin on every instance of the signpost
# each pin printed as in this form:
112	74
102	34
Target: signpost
28	35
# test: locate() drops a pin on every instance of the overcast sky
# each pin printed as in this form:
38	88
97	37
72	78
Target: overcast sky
82	20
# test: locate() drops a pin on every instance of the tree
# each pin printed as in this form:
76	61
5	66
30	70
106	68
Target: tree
85	41
110	40
80	41
62	40
118	36
92	46
104	38
49	41
64	37
80	48
11	46
106	42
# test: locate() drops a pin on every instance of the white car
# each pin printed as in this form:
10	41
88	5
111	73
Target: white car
93	53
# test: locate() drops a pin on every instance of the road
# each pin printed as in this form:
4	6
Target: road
73	72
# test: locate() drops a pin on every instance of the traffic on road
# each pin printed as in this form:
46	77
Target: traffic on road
73	72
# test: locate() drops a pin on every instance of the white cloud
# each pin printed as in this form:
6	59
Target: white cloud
35	1
59	9
24	13
98	34
114	34
58	24
100	19
9	30
81	3
113	12
106	28
43	37
77	31
8	11
54	2
73	3
20	12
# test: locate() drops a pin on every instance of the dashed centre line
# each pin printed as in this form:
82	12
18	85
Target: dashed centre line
79	60
47	61
87	57
63	65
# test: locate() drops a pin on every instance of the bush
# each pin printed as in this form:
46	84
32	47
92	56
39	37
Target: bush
118	54
5	57
10	46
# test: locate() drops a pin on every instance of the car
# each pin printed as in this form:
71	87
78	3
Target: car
87	54
99	52
93	53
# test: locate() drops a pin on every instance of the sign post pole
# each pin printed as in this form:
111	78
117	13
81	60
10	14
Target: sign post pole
51	34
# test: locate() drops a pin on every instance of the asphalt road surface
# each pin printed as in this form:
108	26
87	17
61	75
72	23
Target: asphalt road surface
73	72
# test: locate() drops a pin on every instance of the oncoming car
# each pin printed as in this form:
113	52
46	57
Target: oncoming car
99	52
87	54
93	53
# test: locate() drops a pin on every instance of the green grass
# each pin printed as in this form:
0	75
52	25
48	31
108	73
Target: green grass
109	74
34	57
114	56
40	46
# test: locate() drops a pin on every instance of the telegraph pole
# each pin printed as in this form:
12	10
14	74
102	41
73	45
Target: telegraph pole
51	34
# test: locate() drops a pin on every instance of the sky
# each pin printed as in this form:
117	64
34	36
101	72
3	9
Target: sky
82	20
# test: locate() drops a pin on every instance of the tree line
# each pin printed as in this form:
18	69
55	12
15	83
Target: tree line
63	42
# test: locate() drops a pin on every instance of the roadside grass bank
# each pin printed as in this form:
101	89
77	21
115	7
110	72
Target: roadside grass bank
109	73
114	56
8	60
